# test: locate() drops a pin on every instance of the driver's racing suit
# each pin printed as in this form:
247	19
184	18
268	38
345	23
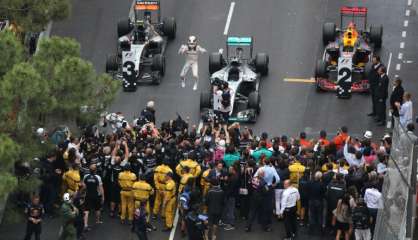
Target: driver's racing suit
192	55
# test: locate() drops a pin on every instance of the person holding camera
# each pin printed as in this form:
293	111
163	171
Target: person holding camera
222	101
139	224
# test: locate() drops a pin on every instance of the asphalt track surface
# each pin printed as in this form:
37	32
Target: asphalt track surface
289	31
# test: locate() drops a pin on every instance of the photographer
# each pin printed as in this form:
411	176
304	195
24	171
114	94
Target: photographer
196	223
147	115
222	101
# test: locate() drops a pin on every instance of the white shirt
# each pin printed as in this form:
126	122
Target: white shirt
217	101
192	55
381	168
351	158
405	113
373	198
289	198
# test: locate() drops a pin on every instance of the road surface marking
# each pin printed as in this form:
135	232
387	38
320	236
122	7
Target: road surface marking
173	230
389	62
402	45
300	80
398	67
405	23
407	12
228	19
131	10
400	55
403	34
409	2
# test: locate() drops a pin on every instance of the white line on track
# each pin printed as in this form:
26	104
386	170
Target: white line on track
228	19
398	67
131	10
405	23
400	56
403	34
389	62
402	45
407	12
173	230
409	2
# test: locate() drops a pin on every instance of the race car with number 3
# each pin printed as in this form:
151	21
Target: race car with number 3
346	59
242	72
141	46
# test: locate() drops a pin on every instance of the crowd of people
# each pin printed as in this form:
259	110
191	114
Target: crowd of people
212	176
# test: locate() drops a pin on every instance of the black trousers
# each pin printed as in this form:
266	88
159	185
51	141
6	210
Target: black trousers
255	210
373	97
290	221
142	235
381	109
33	229
267	206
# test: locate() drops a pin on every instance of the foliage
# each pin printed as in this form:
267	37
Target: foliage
56	82
9	151
34	15
11	51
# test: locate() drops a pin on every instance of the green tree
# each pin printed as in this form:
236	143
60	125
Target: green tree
9	151
11	51
34	15
24	95
76	84
51	51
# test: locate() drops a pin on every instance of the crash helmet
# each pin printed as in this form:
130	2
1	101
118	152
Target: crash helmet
192	41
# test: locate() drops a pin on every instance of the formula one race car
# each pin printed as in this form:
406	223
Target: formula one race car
242	72
348	52
141	46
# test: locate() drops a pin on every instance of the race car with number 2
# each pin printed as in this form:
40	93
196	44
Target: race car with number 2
346	59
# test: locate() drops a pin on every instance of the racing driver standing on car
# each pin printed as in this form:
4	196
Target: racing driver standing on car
191	51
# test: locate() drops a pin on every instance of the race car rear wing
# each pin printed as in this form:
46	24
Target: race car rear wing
239	41
147	5
354	10
355	14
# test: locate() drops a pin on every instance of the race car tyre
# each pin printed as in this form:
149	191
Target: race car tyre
215	62
376	33
112	64
254	102
205	100
169	27
262	63
124	27
321	69
329	32
158	64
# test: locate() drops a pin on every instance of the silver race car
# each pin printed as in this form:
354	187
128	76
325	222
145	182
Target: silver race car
141	46
242	72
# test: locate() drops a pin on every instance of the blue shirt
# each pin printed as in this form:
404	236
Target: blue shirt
270	173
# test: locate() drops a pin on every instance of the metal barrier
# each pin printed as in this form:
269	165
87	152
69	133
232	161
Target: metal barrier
394	221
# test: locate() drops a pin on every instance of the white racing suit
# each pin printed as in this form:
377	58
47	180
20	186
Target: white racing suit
192	56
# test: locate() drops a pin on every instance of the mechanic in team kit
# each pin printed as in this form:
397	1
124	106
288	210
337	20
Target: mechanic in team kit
191	50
